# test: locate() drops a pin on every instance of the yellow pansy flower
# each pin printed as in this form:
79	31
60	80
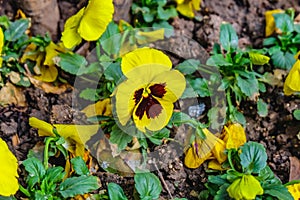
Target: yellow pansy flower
45	67
270	21
245	187
8	171
88	23
151	88
294	190
75	135
292	81
201	150
1	45
234	136
188	7
102	107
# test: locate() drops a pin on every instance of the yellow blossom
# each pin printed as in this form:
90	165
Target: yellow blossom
245	187
151	88
292	81
235	136
45	67
294	190
270	21
88	23
201	150
188	7
75	135
102	107
8	171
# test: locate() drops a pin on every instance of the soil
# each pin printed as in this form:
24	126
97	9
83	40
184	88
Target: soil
277	131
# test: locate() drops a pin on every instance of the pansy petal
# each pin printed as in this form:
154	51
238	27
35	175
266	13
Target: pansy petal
145	56
214	164
219	151
186	9
47	73
292	81
96	17
44	128
52	50
175	84
125	101
1	39
70	36
196	4
8	171
235	136
192	160
294	190
163	118
270	21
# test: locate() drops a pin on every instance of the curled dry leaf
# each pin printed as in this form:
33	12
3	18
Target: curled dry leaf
10	94
49	87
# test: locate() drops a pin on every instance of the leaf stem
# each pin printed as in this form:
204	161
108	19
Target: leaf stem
46	151
24	190
230	160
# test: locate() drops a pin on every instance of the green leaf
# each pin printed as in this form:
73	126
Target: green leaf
258	59
117	136
157	136
218	60
16	30
89	94
168	29
179	118
296	114
111	39
200	86
278	191
78	185
270	41
262	108
249	86
4	21
113	72
284	22
35	169
147	185
217	179
79	166
73	63
188	66
283	60
55	174
267	177
166	14
228	37
253	157
222	192
115	192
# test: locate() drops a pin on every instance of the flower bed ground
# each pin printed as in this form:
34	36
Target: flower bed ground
277	131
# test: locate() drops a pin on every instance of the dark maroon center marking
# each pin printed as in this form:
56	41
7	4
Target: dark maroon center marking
138	95
158	90
149	105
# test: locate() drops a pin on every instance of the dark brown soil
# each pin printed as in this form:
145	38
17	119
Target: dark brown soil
277	132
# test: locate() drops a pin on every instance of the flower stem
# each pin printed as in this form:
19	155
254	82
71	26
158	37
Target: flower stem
230	160
24	190
46	151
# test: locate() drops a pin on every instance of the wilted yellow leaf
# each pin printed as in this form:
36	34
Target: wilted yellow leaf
10	94
270	21
75	135
102	107
258	59
49	87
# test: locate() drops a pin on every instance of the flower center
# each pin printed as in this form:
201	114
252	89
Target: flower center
149	103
